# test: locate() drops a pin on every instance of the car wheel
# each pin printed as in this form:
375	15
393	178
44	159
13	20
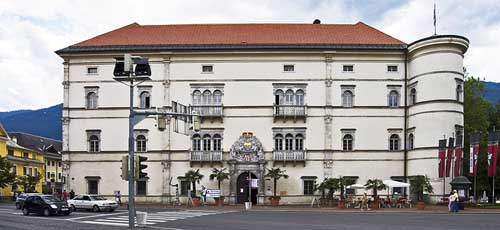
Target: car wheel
95	208
67	213
26	211
46	212
73	208
111	210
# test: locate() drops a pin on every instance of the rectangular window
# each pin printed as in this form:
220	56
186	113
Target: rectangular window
30	170
60	176
25	155
308	187
207	69
392	68
348	68
289	68
10	152
92	70
93	187
141	187
185	186
25	170
60	164
14	170
48	175
36	171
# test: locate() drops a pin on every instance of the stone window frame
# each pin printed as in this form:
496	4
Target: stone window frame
308	179
397	89
392	65
288	65
410	143
391	132
97	133
208	66
296	89
208	132
459	131
412	99
92	67
347	65
202	88
182	180
145	181
459	90
88	91
345	132
343	90
294	132
142	89
137	133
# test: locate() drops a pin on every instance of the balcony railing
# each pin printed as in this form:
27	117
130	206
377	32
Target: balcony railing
205	156
290	111
208	110
293	156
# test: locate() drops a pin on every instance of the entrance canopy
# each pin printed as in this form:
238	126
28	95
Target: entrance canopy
395	184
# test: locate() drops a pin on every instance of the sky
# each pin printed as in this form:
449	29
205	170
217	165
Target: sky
31	30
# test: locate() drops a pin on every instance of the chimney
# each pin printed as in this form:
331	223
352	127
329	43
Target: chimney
317	21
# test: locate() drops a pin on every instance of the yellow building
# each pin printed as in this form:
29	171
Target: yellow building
26	161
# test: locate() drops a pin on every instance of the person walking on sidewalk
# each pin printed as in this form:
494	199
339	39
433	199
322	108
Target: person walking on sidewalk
203	195
364	202
64	195
71	194
455	203
118	197
450	202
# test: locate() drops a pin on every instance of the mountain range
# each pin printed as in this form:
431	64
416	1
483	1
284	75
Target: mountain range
47	122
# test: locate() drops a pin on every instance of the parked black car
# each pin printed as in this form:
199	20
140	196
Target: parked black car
45	205
22	197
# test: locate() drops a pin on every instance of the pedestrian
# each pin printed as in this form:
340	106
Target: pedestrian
64	195
455	201
118	197
55	194
204	195
450	201
364	202
71	194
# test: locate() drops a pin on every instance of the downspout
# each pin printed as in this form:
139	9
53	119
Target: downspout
405	129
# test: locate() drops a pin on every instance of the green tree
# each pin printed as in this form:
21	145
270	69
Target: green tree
7	176
219	175
375	185
420	184
28	182
193	177
276	174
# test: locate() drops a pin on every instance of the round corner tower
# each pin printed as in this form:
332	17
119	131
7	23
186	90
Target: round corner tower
435	101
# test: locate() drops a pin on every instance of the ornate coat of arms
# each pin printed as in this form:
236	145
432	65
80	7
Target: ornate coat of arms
247	148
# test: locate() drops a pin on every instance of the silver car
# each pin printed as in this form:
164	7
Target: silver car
95	203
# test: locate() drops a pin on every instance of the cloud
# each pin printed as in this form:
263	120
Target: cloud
30	35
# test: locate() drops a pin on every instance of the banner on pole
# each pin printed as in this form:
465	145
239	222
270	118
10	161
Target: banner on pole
458	157
492	153
449	155
441	156
473	154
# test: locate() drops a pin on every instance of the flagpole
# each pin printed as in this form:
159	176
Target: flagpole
495	170
444	171
435	19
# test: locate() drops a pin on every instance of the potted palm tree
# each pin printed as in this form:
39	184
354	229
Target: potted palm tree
322	187
375	185
343	182
194	177
275	174
418	185
219	175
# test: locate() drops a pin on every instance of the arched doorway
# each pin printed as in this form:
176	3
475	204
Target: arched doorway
242	189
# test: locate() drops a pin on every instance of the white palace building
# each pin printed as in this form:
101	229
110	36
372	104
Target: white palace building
317	100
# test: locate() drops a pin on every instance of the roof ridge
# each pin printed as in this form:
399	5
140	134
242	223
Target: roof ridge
360	23
29	134
135	24
231	24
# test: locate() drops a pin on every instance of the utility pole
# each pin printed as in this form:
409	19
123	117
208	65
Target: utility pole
131	179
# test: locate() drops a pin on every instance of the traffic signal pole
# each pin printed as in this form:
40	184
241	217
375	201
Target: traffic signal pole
131	179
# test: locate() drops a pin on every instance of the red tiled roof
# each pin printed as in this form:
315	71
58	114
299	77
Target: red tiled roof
229	34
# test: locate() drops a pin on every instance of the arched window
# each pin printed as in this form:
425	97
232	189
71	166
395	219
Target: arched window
217	142
347	99
393	99
196	142
413	96
289	142
299	97
145	100
299	142
394	142
347	142
411	141
207	97
278	142
196	97
91	102
140	143
289	97
207	140
279	97
217	97
459	93
94	143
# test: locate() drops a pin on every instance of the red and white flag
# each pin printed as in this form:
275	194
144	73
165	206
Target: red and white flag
441	157
473	154
492	153
449	155
458	160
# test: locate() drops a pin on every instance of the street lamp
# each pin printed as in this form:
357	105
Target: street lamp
124	72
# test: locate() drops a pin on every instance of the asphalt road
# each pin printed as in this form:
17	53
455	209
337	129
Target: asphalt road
11	218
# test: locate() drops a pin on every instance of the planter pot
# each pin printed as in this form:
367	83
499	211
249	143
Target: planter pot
219	201
324	202
341	204
375	204
196	201
420	205
275	201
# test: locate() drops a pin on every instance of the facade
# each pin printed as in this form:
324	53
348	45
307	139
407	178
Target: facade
51	149
317	100
26	161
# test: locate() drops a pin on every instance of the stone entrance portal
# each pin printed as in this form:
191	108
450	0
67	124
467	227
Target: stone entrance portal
246	156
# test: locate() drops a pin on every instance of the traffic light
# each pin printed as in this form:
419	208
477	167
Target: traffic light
142	67
124	168
124	66
139	166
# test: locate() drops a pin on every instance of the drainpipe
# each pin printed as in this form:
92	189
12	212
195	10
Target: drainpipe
405	129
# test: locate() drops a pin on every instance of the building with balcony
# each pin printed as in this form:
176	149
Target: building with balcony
317	100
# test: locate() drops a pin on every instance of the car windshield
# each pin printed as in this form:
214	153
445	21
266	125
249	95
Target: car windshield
97	198
50	199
